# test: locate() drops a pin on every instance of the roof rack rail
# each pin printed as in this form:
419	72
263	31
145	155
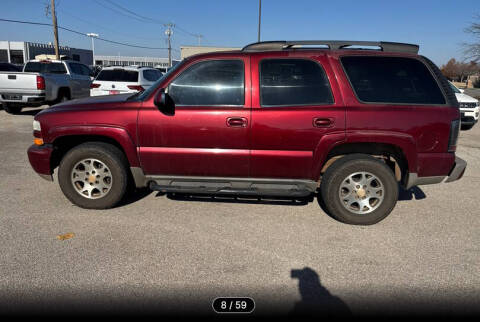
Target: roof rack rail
332	45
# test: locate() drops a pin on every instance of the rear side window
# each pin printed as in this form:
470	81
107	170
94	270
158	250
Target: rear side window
287	82
118	75
212	82
151	75
392	80
76	69
37	67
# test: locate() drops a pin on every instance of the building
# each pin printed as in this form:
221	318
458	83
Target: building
186	51
19	52
159	62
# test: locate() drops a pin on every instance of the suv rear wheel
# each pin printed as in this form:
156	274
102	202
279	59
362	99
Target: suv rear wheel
359	190
93	175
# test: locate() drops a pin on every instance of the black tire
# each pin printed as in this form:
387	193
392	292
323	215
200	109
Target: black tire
63	96
112	157
466	127
12	108
339	171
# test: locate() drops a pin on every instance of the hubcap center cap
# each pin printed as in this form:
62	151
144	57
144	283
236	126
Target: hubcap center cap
91	178
361	193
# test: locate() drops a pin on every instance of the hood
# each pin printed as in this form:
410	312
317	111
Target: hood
90	103
464	98
95	100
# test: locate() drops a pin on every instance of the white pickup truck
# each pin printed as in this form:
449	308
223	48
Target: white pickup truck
44	82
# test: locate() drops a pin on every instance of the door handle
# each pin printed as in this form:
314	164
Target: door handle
237	122
323	122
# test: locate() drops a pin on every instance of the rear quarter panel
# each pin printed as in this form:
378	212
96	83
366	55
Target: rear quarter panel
421	131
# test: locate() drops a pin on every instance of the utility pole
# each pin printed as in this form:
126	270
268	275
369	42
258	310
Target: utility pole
199	39
259	17
55	28
169	33
92	35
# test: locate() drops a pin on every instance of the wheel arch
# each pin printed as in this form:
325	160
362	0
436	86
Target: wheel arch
391	154
65	138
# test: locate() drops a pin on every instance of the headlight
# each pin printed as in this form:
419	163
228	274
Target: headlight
36	126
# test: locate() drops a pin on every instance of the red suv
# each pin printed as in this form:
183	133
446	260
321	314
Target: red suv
350	119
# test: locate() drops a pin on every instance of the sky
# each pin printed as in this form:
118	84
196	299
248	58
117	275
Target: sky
436	25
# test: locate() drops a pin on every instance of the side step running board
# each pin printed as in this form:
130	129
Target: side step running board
233	186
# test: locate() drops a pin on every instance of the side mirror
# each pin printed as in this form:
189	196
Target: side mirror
461	90
164	103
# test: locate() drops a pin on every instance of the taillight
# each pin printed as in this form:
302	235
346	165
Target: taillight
452	140
40	82
93	85
136	87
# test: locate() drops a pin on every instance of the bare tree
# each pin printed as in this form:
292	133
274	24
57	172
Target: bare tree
472	50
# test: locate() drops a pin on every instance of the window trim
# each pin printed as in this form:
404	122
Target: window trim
292	105
390	103
206	60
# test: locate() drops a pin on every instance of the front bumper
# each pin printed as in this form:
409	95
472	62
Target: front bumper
455	173
39	157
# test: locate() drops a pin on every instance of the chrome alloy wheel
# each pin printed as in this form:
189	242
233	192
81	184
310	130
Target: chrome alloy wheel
91	178
361	192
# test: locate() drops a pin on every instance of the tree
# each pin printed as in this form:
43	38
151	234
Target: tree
472	50
450	70
459	71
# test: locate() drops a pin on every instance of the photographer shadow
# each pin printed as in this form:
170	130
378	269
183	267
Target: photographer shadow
315	298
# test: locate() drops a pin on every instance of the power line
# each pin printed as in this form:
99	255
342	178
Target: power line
83	34
134	13
103	27
141	18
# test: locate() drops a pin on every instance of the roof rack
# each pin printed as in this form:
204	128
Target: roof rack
332	45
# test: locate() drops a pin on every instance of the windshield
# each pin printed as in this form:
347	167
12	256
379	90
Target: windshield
454	88
143	95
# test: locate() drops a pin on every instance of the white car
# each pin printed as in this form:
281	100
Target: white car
121	80
469	108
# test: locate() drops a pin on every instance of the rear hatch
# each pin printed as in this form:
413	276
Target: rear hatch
115	81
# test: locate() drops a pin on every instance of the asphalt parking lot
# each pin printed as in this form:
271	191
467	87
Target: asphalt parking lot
169	254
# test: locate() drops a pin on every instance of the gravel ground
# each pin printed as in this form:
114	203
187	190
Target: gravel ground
165	254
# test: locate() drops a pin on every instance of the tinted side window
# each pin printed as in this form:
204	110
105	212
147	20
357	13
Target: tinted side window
151	74
392	80
76	69
118	75
213	82
293	82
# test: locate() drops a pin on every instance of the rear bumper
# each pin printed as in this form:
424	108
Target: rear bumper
39	157
23	97
458	170
455	173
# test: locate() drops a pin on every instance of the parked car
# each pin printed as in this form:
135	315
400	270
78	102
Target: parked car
469	108
272	119
7	67
120	80
43	82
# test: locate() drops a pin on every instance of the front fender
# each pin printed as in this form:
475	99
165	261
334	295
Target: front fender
120	135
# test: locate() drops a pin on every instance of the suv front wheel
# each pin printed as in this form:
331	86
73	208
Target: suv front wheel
93	175
359	190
